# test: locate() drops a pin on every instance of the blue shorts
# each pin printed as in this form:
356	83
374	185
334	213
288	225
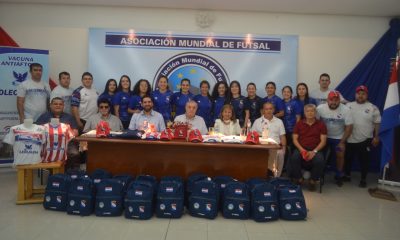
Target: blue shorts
333	145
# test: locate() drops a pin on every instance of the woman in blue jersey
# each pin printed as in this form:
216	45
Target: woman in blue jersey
142	88
254	102
292	113
220	96
162	99
121	100
302	98
270	89
204	103
109	93
239	103
179	99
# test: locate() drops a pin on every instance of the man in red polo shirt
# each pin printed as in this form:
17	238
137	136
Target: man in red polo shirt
309	137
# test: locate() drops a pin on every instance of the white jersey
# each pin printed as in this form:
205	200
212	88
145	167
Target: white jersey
36	95
65	94
27	143
321	97
274	127
86	100
364	116
335	120
57	139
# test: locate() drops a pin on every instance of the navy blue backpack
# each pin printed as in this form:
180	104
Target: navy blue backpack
170	198
125	179
55	195
236	202
149	178
222	181
81	196
203	201
280	182
139	200
100	174
109	198
190	184
292	205
76	173
264	203
253	182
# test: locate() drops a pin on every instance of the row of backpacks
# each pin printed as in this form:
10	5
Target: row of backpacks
141	197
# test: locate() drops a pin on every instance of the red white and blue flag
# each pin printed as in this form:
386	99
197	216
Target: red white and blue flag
390	117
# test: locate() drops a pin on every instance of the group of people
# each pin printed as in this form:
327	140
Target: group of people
305	124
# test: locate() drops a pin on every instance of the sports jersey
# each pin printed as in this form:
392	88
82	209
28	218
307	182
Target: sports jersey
364	116
335	120
320	97
65	94
36	95
123	100
110	98
179	100
302	103
239	106
292	110
274	127
86	100
135	103
277	101
27	143
57	139
217	107
254	105
204	108
162	104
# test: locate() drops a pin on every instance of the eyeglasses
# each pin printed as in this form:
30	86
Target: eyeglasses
104	107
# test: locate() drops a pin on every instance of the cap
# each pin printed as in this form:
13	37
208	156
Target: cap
166	135
253	138
102	129
362	88
195	136
334	94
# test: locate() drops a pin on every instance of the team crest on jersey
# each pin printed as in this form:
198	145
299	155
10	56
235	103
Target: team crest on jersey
167	98
339	116
367	111
241	103
29	147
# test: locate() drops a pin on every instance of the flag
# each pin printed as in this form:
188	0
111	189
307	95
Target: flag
390	117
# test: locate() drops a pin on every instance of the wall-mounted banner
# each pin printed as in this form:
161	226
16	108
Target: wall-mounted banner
14	69
196	56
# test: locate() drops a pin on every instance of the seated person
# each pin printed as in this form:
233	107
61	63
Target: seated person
147	118
309	138
105	115
272	127
190	117
227	123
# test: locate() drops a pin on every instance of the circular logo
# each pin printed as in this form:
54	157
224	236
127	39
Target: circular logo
230	206
72	203
130	209
194	66
162	206
48	198
196	205
261	209
288	206
101	204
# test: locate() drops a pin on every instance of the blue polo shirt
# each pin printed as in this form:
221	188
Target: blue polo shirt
179	100
254	105
239	106
204	108
122	99
277	101
292	109
162	104
217	107
303	103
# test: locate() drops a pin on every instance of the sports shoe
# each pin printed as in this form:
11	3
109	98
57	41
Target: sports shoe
363	184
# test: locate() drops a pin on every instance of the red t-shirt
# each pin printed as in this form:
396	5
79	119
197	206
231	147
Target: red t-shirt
309	135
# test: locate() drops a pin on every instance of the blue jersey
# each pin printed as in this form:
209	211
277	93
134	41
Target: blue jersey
217	107
179	100
204	108
277	101
239	106
122	99
162	103
292	110
254	105
135	103
303	103
110	98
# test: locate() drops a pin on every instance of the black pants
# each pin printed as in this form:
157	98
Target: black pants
361	151
125	124
315	165
80	130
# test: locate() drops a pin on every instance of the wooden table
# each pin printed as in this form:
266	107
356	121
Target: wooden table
162	158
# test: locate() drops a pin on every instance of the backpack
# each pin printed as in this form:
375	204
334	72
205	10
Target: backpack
99	174
139	200
292	205
76	173
253	182
81	196
170	198
56	193
264	203
149	178
222	181
236	202
192	179
280	182
125	179
109	197
203	201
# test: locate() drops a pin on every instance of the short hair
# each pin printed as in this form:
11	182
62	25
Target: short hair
190	102
251	84
270	103
34	65
56	99
147	96
272	83
325	75
87	74
310	105
63	73
103	100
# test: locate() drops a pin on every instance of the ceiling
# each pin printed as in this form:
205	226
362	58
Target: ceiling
374	8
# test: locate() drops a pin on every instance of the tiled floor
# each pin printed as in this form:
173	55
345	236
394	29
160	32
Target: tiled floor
338	213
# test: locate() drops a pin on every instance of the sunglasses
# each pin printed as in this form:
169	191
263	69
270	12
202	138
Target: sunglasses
104	107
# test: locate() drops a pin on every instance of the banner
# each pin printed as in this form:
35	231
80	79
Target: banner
196	56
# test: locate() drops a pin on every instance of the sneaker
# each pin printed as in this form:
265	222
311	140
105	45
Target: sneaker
346	178
312	185
363	184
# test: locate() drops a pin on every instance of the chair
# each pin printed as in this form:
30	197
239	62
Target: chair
26	190
327	153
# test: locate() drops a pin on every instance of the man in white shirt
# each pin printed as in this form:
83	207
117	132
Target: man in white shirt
143	119
321	94
366	118
190	117
33	95
275	129
339	123
63	91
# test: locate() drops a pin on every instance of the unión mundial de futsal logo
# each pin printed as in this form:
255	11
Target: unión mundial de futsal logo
194	66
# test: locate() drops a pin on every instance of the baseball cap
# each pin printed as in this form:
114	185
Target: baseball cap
334	94
253	138
362	88
166	135
102	129
195	136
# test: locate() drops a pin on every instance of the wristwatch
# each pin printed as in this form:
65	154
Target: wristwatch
315	151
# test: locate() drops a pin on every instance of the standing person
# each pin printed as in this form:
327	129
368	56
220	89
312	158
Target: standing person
292	113
238	102
105	115
366	118
270	89
63	91
109	93
220	97
321	94
142	88
84	101
227	123
189	117
302	97
162	99
142	119
122	99
254	102
32	95
179	99
339	122
204	102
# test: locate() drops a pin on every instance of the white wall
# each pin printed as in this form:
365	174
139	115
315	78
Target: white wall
332	44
